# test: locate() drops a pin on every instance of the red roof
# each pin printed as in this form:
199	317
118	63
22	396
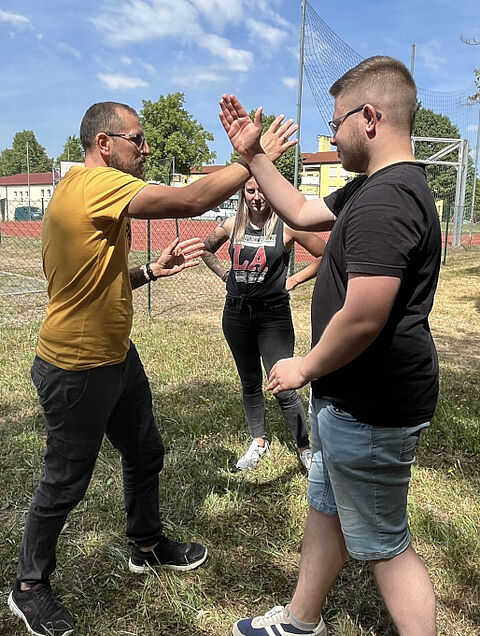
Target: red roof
36	178
206	169
308	158
330	156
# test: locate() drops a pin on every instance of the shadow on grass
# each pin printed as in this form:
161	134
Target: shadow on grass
251	525
267	582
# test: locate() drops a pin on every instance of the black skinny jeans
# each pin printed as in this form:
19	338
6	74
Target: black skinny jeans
79	408
263	331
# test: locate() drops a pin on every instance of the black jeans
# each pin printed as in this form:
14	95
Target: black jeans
263	331
79	408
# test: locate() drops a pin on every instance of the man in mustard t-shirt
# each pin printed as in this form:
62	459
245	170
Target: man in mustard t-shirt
87	372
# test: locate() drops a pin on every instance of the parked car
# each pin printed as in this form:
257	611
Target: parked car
28	213
218	214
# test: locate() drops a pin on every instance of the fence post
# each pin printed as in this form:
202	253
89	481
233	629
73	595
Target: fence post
447	222
149	251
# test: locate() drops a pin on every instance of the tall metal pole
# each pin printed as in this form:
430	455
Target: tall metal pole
299	114
177	229
474	187
28	177
300	89
412	61
149	254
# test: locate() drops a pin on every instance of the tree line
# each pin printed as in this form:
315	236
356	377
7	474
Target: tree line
178	142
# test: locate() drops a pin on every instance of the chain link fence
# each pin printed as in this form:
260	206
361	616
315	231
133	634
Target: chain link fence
23	288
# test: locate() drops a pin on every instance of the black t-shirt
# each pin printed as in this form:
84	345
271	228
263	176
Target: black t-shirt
386	225
259	265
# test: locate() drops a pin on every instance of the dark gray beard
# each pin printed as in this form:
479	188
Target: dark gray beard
136	169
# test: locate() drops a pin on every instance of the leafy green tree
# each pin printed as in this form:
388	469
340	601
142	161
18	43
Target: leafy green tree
441	179
286	163
173	135
72	150
14	160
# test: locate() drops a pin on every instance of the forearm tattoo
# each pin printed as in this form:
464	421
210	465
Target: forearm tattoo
137	277
212	243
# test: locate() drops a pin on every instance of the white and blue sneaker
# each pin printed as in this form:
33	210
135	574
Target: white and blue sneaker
278	622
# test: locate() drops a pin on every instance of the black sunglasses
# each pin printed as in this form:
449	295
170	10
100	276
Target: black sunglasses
335	123
138	140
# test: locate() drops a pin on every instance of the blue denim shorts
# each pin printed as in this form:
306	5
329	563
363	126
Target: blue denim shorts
361	473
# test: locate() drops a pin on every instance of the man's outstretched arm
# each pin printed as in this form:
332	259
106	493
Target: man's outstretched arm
157	202
288	202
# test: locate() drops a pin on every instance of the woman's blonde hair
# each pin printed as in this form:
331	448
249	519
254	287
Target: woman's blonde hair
243	217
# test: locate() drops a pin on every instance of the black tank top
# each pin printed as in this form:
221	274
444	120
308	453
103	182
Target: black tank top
259	265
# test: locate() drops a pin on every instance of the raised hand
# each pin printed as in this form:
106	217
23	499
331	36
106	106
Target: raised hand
245	135
242	132
177	256
276	139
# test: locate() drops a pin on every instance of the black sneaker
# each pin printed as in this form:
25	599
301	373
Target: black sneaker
41	610
168	554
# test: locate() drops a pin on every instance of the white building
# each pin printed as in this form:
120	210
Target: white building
17	190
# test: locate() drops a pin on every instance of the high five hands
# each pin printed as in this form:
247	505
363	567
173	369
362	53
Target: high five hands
246	135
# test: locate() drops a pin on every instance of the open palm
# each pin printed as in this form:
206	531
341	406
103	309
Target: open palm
243	133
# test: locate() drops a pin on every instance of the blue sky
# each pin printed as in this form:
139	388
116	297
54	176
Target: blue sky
59	57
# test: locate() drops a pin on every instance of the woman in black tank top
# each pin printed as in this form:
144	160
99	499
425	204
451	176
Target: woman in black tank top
257	322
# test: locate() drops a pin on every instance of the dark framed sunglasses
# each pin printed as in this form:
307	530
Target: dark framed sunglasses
335	123
138	140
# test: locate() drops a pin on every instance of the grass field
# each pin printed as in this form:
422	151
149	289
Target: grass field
252	524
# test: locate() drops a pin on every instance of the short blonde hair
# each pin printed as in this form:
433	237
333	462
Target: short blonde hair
384	82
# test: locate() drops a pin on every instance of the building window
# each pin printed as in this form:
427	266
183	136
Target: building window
43	193
15	194
343	173
332	189
49	193
332	171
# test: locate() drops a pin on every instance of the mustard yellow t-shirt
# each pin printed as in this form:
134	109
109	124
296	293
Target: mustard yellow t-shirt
85	245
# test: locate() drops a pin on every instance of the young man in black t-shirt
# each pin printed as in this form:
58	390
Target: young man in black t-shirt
373	364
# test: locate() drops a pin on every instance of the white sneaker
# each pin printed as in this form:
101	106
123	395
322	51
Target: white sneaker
253	454
306	457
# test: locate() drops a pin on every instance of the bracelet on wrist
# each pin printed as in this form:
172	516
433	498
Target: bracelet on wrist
149	275
225	276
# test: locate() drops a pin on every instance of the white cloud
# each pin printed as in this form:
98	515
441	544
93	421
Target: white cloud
220	12
14	19
70	50
140	20
200	79
289	82
148	67
264	7
118	82
236	59
429	53
269	35
294	52
125	60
